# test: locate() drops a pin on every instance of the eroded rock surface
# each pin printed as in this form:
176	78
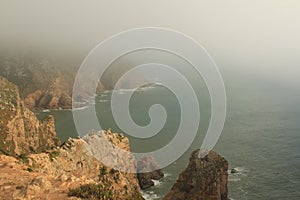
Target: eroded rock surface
148	170
53	174
203	179
20	130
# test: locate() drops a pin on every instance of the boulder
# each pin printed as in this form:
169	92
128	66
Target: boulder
204	178
148	170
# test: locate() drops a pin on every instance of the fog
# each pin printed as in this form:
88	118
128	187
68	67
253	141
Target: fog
258	37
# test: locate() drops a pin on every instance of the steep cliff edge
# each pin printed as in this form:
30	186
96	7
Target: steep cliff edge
20	131
55	96
43	83
204	179
67	172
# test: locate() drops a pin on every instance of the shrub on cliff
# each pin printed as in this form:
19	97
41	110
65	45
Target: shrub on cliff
92	191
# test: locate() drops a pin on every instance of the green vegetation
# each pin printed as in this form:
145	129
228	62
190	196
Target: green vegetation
120	137
29	169
53	154
136	195
103	171
92	191
112	171
4	152
23	157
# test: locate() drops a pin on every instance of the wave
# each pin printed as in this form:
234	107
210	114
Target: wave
106	91
150	195
123	91
80	108
233	179
103	100
103	95
146	88
239	170
157	183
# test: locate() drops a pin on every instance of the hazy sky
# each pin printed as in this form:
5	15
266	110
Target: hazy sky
257	35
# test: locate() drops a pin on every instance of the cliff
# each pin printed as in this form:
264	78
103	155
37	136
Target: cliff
34	166
55	96
204	178
154	172
67	172
43	83
20	131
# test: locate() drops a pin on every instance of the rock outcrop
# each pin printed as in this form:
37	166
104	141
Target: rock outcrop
57	95
150	171
20	131
204	179
54	174
43	83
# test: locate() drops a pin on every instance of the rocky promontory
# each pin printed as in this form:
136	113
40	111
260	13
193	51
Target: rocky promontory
20	130
33	164
42	82
203	179
66	172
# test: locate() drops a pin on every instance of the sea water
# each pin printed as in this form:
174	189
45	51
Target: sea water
261	136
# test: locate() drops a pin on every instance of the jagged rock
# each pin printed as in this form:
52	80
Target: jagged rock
43	84
234	171
151	171
204	178
54	173
20	130
56	95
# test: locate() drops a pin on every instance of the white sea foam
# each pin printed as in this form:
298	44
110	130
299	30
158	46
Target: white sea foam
167	175
240	170
80	108
233	179
103	95
150	195
157	183
103	100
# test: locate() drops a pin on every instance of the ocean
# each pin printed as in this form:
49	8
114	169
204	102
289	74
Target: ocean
261	136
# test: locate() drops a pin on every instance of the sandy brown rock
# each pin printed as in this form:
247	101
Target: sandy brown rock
16	182
203	179
56	95
44	83
20	130
54	173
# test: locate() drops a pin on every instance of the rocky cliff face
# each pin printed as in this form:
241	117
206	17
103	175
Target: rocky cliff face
55	96
152	172
20	130
43	83
67	172
204	178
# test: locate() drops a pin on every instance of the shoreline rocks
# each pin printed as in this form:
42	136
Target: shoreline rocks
20	130
147	171
204	178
